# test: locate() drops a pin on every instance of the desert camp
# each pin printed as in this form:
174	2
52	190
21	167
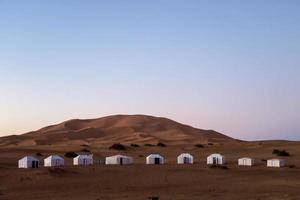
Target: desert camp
155	159
83	160
28	162
246	161
185	158
277	163
53	161
216	159
118	160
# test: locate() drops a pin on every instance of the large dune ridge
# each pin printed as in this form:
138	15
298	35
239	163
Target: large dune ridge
126	129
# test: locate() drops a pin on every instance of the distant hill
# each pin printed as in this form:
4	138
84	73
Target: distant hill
126	129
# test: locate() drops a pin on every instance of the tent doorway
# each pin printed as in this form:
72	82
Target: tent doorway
215	161
186	160
157	161
35	164
121	161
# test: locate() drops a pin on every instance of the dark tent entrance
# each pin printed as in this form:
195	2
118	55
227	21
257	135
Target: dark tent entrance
156	161
215	161
34	164
186	160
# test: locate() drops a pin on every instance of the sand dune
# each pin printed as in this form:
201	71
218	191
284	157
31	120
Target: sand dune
125	129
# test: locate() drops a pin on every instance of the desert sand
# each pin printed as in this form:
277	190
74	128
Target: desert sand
139	181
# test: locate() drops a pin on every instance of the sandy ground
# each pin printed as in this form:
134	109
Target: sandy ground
169	181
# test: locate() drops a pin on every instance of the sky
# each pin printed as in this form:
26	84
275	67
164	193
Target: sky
232	66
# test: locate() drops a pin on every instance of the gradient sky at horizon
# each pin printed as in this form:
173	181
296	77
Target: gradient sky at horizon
232	66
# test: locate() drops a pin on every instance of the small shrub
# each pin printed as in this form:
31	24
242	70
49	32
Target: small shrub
84	145
85	150
210	144
148	145
264	160
71	154
118	146
39	154
135	145
292	166
199	145
160	144
281	152
275	151
141	156
153	198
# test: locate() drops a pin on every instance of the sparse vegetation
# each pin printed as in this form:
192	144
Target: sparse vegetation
84	145
281	152
292	166
39	154
199	145
135	145
160	144
264	160
210	144
118	146
71	154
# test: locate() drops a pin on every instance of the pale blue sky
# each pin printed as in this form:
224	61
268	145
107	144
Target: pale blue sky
232	66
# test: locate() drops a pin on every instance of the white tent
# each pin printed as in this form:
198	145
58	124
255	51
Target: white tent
275	163
28	162
118	160
215	159
185	158
155	159
83	160
246	162
53	161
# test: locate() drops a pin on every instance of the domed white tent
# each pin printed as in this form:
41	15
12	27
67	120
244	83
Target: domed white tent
155	159
215	159
118	160
28	162
185	158
246	162
53	161
275	163
83	160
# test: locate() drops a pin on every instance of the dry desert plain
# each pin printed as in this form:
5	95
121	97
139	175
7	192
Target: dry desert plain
140	181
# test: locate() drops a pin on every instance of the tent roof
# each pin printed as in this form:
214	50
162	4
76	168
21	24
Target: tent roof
246	158
29	158
275	159
83	156
119	156
154	155
185	154
54	157
216	155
